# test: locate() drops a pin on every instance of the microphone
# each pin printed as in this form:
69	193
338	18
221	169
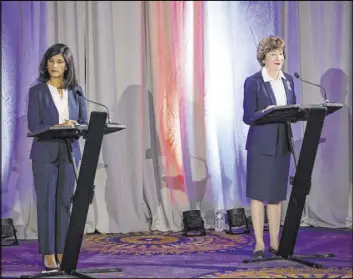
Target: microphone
78	91
298	77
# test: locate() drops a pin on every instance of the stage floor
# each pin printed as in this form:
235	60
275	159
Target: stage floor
170	255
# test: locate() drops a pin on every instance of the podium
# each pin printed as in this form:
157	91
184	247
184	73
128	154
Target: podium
93	133
315	116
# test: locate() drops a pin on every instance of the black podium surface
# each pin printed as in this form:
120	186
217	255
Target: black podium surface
93	133
292	113
314	115
64	132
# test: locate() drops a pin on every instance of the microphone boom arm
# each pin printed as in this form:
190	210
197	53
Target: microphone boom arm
323	89
78	91
109	120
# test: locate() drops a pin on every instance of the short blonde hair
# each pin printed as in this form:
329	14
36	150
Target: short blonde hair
268	44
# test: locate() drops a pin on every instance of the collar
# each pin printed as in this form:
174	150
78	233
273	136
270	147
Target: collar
267	78
54	88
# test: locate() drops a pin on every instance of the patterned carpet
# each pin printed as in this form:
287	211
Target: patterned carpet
170	255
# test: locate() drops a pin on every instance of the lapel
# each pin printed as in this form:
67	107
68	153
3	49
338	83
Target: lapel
71	103
269	91
50	102
288	88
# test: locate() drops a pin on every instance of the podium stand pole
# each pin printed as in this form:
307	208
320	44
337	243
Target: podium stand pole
291	142
72	157
83	195
301	188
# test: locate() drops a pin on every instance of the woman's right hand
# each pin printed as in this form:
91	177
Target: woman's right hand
70	123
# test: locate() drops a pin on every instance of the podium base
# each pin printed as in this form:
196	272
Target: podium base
80	273
297	258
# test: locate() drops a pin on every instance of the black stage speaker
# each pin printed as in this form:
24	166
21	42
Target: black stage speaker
8	233
236	218
193	221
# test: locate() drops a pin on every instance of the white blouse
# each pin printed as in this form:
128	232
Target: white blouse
62	105
277	87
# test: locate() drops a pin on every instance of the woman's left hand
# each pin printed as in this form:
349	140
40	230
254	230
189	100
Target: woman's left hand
268	107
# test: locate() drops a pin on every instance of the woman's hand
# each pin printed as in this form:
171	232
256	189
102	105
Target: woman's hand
268	107
70	123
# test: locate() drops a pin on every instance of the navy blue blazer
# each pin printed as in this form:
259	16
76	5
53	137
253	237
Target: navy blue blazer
257	96
42	114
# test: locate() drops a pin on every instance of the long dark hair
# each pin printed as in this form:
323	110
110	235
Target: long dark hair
70	79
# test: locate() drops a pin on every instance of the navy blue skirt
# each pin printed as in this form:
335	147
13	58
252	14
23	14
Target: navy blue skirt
267	176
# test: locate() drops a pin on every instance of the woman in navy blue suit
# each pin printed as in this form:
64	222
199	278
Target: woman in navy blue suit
268	153
53	102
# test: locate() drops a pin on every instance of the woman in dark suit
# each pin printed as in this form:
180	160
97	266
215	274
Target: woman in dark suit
268	153
53	102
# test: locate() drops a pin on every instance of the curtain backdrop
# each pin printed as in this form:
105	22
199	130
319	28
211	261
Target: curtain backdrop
173	72
325	37
23	42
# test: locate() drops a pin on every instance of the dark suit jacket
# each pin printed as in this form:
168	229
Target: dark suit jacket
257	96
42	114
